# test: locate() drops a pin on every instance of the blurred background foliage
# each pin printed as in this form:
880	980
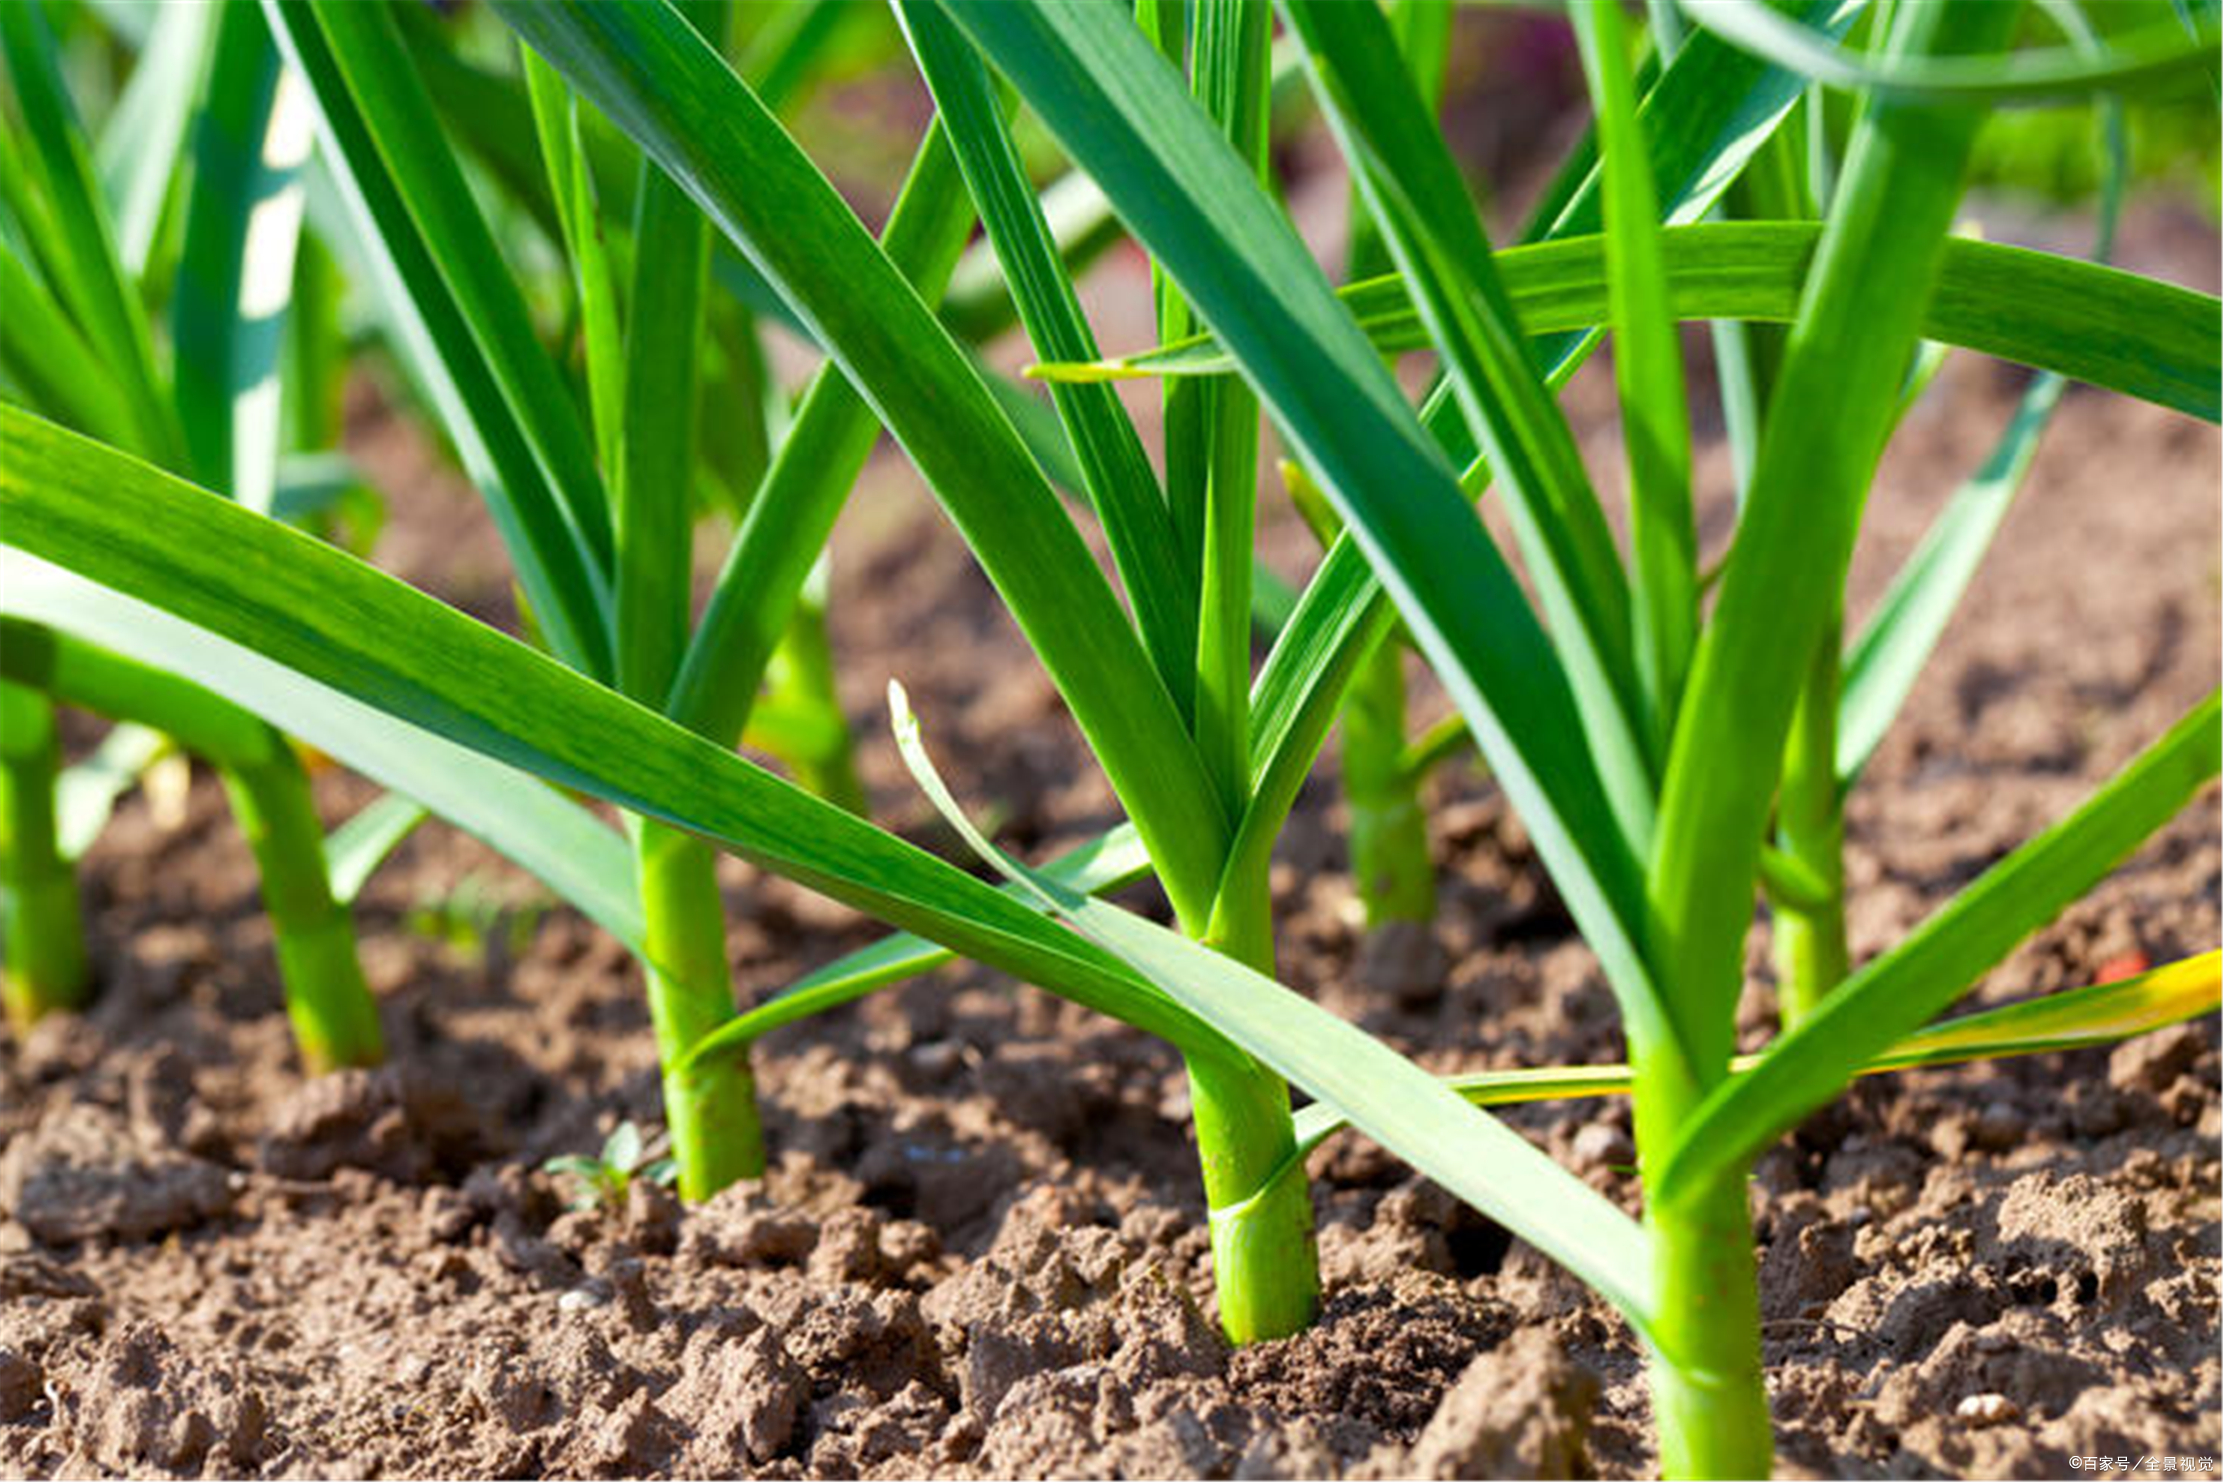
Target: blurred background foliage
862	108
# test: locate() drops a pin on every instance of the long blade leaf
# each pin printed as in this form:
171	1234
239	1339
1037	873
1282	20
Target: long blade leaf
1828	417
1946	954
578	856
1891	652
566	587
85	794
1123	116
235	279
654	77
1401	1106
310	612
355	850
2074	1020
2091	323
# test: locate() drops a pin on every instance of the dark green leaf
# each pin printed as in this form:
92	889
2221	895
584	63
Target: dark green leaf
565	584
655	78
1123	116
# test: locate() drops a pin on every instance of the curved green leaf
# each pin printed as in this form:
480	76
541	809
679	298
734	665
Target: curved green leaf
656	79
2091	323
311	613
2077	1019
1943	957
1394	1101
2155	55
1122	114
354	850
85	794
579	857
1883	664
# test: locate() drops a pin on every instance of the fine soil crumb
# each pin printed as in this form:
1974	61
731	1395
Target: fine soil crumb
981	1250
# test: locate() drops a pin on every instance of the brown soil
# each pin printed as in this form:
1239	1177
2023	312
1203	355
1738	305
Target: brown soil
982	1251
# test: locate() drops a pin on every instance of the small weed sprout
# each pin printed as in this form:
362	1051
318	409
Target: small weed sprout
475	922
604	1179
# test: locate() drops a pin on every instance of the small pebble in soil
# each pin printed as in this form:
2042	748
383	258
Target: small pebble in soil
1603	1145
938	1058
583	1299
1989	1409
1998	1127
22	1386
